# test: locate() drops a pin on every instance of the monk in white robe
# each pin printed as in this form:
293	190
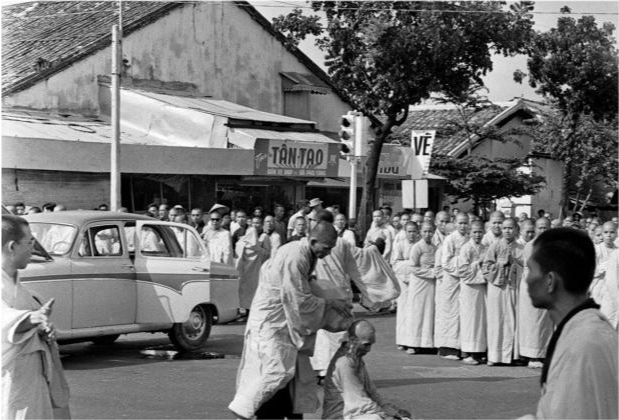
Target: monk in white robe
253	249
534	325
380	229
602	252
33	382
473	339
284	318
495	232
218	240
502	270
421	289
447	321
401	263
610	304
349	391
579	378
334	274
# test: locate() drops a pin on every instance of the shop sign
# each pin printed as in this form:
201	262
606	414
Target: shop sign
391	163
295	158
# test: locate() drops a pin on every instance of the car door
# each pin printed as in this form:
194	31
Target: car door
104	287
172	269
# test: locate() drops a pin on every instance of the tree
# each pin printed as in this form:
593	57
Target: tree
594	147
575	66
387	56
483	180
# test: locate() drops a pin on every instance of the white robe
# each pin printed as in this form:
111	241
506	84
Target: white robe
609	301
582	377
252	251
219	244
276	242
400	261
502	270
598	285
489	238
381	232
333	276
351	394
33	384
284	318
447	321
534	325
472	298
378	278
420	301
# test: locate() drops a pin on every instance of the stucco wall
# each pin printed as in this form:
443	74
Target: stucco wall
216	46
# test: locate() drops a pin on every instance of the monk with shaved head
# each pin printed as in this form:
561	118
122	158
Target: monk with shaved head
534	325
349	391
275	377
603	295
502	268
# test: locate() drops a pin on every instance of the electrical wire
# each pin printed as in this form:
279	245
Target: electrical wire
301	6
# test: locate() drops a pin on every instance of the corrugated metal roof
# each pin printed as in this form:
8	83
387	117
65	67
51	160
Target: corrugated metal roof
222	108
38	125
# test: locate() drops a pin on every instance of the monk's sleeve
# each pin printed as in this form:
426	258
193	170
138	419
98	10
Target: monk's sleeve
304	311
425	273
489	267
468	267
449	258
357	402
352	269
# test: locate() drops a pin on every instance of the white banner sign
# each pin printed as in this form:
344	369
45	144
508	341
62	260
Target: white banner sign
420	153
415	194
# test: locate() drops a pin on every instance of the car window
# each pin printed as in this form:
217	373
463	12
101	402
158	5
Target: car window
56	239
152	243
100	241
167	241
189	242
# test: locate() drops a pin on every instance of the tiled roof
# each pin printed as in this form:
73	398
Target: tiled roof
42	38
441	118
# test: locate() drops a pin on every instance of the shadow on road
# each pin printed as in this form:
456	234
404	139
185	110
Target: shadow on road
390	383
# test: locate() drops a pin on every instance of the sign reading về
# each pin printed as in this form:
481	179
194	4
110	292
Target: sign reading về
295	158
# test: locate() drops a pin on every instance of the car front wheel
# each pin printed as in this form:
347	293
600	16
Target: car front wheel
193	333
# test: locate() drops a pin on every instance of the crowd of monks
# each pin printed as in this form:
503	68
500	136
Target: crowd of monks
462	288
464	291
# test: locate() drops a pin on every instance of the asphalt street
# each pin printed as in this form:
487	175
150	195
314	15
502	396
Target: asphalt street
118	382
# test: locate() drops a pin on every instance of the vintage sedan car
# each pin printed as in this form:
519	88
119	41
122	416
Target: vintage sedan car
120	273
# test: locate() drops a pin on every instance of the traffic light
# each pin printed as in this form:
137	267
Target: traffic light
362	135
347	133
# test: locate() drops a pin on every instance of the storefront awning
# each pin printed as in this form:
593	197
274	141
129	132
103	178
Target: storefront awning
40	141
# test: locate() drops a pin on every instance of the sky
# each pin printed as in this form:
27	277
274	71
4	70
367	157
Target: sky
499	81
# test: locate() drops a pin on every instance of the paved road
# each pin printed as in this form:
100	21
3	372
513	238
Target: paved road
116	382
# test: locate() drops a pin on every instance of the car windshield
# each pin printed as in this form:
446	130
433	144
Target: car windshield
56	239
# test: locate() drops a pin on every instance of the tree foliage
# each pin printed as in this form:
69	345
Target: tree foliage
575	66
592	154
389	55
483	180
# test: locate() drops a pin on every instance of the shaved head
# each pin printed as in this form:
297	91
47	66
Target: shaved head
323	232
361	329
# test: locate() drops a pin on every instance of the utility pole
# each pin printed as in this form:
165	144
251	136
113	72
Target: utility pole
115	202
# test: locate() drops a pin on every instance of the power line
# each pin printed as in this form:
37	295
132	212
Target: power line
289	4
